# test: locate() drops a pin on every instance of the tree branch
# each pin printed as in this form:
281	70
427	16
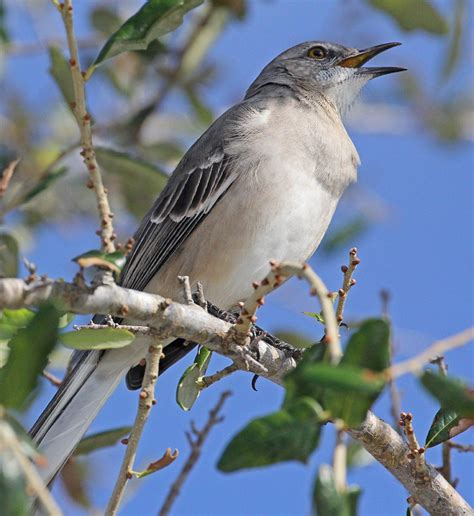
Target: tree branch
83	120
168	319
434	493
9	441
278	274
146	400
6	175
207	381
339	460
191	322
413	365
347	283
196	448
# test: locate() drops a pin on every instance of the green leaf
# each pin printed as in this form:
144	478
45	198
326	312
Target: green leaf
168	458
455	45
102	338
66	319
140	181
451	393
4	36
155	19
368	349
285	435
413	15
12	320
29	350
12	484
60	71
8	256
203	113
74	476
315	315
341	379
328	501
164	151
96	258
28	447
105	20
100	440
349	389
352	496
444	420
44	183
294	386
188	389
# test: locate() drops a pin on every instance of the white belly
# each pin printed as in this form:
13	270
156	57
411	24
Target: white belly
270	218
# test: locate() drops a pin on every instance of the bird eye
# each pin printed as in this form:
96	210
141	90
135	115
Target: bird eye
317	52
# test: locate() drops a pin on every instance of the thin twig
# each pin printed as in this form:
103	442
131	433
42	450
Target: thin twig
278	274
10	442
196	448
339	461
461	447
186	286
413	365
83	120
207	381
147	331
395	400
6	176
417	453
441	363
318	288
54	380
146	400
347	283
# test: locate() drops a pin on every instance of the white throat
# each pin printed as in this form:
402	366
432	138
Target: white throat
344	92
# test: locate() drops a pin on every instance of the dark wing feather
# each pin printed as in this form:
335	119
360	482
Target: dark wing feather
188	197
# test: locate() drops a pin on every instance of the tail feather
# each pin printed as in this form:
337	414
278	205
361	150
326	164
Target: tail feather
86	388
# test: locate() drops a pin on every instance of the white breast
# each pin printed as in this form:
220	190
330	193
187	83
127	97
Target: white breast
294	168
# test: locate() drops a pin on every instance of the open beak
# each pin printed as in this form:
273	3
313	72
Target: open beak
358	59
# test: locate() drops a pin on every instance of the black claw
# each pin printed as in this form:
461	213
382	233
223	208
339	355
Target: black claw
254	382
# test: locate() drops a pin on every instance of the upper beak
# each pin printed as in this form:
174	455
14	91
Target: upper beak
362	56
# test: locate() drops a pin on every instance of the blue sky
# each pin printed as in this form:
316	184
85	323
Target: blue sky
421	250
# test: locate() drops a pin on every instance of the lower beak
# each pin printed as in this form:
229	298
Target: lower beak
362	56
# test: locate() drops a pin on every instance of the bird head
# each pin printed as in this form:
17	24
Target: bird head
321	68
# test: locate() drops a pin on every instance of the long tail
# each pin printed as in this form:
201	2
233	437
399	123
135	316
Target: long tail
82	394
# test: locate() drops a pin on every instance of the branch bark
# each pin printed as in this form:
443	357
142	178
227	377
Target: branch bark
168	319
191	322
432	491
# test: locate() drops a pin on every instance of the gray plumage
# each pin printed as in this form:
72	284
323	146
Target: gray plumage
261	183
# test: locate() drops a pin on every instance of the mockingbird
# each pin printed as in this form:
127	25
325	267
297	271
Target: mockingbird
261	183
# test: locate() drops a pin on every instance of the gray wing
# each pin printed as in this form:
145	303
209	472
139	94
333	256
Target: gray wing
198	182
